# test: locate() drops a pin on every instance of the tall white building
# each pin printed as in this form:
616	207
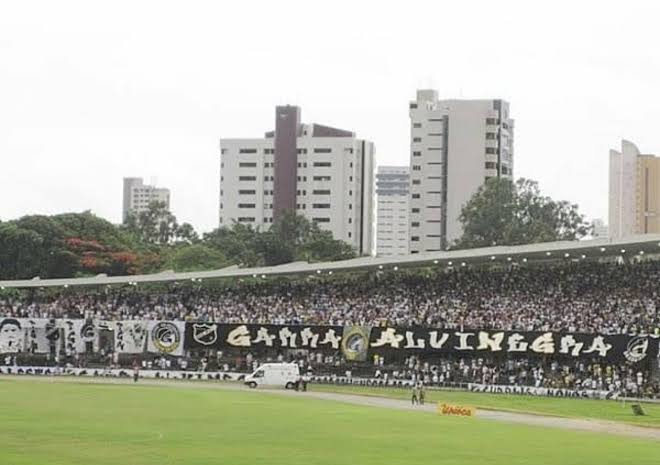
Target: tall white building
138	196
600	229
634	201
323	173
455	146
392	185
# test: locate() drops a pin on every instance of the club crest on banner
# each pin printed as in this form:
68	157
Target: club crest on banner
166	337
205	333
637	349
355	342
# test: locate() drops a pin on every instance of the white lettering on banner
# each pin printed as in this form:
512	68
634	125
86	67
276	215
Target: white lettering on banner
544	344
541	391
264	336
567	342
331	338
411	343
516	343
239	337
434	343
389	336
598	345
287	338
492	342
309	338
462	341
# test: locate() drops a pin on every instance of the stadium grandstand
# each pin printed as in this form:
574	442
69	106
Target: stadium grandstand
569	315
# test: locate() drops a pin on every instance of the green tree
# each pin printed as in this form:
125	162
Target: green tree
239	243
290	238
156	225
186	234
502	212
21	252
195	257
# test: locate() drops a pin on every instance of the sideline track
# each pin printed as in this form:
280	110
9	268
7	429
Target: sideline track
574	424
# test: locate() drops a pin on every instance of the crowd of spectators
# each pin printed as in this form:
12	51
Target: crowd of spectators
576	297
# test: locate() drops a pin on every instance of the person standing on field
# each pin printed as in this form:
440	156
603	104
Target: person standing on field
415	394
422	394
136	371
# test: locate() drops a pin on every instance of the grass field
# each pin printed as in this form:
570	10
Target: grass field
68	423
573	408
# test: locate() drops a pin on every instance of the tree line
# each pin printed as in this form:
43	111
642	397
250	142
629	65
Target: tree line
83	244
502	212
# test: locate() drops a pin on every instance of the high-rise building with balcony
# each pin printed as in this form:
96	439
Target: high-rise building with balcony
323	173
455	145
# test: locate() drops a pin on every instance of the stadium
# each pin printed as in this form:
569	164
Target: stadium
545	353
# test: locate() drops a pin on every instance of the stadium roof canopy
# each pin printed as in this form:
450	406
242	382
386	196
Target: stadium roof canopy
567	250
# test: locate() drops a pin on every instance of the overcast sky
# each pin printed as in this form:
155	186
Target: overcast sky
91	92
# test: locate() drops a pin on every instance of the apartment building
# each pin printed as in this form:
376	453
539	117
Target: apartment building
634	192
321	172
392	190
455	145
138	196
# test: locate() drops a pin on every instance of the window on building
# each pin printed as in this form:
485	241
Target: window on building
322	150
245	164
245	219
491	135
321	192
321	220
247	150
414	224
350	220
491	150
417	168
321	178
414	238
322	164
246	205
348	150
505	170
492	121
417	139
302	151
269	151
415	196
491	165
246	192
417	125
250	178
320	205
413	106
417	154
223	151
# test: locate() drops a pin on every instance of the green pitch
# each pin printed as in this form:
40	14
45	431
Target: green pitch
572	408
69	424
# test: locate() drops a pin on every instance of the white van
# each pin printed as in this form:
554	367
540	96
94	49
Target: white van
274	375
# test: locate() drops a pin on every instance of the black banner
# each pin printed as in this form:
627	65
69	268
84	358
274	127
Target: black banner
615	348
219	336
361	341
